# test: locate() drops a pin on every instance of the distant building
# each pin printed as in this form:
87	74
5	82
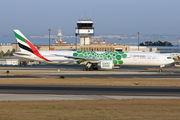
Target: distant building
9	62
104	48
16	47
5	47
141	49
97	41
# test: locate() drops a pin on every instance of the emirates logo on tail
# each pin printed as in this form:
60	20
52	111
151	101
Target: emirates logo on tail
26	45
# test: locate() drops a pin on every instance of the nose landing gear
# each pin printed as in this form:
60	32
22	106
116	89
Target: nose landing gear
160	69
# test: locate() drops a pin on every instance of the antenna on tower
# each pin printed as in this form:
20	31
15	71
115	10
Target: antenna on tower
79	18
84	14
82	17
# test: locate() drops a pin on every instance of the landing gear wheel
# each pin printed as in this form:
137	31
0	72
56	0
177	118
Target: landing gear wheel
91	69
96	68
160	70
85	69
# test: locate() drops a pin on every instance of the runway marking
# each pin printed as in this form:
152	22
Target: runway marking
101	73
152	69
136	77
111	77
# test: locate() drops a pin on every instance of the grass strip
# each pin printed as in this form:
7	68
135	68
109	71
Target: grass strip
91	109
88	81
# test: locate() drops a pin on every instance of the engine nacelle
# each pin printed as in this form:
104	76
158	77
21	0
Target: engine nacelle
106	64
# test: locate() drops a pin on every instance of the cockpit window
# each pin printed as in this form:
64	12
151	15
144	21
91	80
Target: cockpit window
168	57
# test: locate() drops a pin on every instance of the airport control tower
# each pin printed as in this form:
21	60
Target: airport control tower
84	31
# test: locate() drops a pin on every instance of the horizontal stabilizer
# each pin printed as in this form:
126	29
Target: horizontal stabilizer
18	53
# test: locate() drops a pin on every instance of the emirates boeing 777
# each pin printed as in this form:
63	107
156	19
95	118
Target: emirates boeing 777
94	60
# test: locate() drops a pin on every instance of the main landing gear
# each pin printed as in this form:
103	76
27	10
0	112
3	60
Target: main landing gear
90	67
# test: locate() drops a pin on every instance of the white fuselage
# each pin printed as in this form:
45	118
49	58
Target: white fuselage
147	59
133	58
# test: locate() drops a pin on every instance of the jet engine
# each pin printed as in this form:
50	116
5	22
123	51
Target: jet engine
106	64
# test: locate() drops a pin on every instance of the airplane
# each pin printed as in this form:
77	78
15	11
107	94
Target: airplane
93	60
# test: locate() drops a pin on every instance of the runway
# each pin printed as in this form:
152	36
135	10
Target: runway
59	92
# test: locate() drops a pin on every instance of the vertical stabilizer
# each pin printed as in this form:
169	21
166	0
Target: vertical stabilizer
26	46
23	41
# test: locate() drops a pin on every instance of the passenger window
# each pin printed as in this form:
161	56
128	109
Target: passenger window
148	57
153	57
142	57
168	57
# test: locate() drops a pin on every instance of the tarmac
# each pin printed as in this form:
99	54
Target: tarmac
51	92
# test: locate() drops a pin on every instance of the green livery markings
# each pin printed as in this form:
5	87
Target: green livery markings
115	56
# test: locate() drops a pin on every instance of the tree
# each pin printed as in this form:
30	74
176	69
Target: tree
13	51
142	44
1	54
158	43
7	53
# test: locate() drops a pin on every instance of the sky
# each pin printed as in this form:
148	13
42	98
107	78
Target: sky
110	17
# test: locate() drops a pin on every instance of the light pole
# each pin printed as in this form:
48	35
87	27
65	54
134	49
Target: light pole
49	37
138	40
76	40
179	48
1	51
120	40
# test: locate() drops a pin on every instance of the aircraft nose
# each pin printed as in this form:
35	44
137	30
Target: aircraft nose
172	60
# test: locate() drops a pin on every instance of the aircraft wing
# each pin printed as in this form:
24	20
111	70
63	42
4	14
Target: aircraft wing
82	59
